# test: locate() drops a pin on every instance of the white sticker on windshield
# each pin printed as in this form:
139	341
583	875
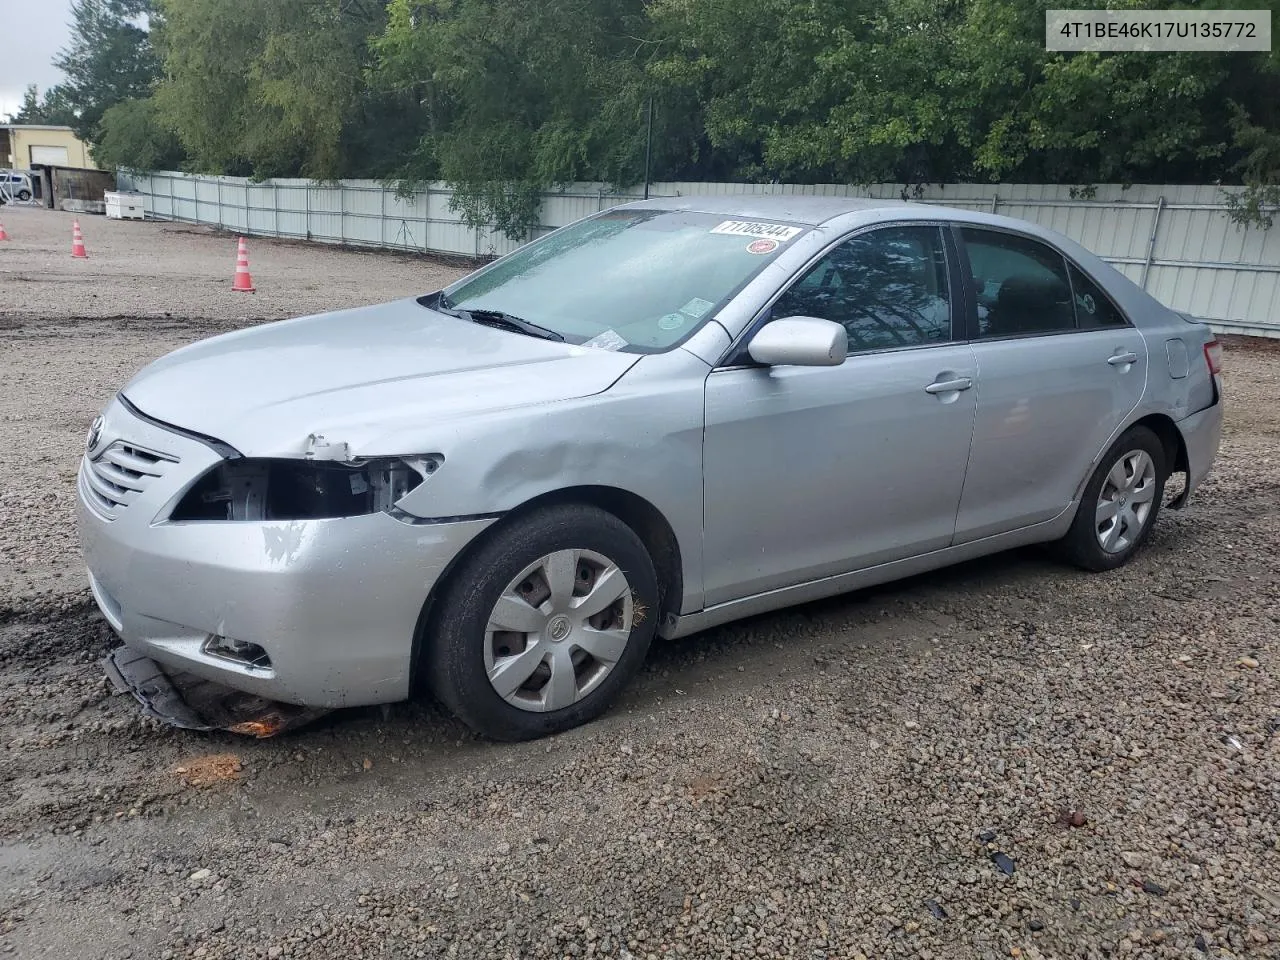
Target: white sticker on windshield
609	340
752	228
697	307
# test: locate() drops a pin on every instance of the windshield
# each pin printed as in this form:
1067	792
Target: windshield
635	280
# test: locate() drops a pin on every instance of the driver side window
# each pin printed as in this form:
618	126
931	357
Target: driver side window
888	288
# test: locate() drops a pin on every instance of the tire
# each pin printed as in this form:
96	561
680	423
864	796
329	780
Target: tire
24	195
1100	542
554	646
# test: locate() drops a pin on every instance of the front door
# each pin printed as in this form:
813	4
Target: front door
1061	368
815	471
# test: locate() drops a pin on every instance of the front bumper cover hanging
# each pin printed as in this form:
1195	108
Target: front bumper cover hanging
187	701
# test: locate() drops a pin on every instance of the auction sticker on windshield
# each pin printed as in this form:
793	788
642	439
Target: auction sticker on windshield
697	307
753	228
609	340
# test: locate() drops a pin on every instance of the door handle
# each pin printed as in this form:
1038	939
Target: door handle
949	386
1123	358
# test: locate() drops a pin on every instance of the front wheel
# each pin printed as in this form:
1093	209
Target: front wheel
1120	504
540	628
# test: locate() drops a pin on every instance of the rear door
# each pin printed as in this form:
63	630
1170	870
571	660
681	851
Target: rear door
1059	370
815	471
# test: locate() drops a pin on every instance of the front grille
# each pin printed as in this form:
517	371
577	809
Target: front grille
118	475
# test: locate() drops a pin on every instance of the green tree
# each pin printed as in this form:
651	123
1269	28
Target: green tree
134	136
57	107
109	59
846	90
1256	205
30	111
503	98
274	87
520	94
936	90
52	109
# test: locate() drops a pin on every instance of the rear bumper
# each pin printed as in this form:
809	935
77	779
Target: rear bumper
334	603
1201	434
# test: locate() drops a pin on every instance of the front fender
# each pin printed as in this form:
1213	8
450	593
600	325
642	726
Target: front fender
643	435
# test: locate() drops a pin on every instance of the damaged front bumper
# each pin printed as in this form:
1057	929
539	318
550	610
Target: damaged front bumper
182	700
315	613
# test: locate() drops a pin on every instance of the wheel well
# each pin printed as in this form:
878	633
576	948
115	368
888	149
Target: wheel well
1175	448
645	520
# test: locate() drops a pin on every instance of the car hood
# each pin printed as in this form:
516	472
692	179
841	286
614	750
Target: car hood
359	377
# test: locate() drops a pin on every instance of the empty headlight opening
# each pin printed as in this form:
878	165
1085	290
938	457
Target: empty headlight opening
301	489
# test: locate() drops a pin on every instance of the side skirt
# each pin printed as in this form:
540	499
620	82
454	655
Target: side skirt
1043	532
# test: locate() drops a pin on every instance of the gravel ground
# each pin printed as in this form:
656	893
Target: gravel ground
1005	759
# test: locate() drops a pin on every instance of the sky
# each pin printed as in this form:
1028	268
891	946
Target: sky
26	54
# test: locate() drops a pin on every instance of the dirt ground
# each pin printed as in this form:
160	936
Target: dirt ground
1004	759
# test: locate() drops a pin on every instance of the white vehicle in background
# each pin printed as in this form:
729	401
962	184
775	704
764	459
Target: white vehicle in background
15	186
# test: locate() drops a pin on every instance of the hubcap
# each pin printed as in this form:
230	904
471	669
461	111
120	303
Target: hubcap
558	629
1124	503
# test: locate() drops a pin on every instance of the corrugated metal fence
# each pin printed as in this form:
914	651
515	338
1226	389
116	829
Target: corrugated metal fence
1176	241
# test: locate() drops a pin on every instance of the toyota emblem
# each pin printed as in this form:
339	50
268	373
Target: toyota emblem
95	434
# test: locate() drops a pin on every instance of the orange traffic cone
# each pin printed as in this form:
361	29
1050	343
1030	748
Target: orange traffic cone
244	282
77	242
3	235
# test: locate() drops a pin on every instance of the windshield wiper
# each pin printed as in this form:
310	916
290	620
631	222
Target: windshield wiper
497	318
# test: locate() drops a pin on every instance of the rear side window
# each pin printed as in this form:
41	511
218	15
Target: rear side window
1093	309
1020	285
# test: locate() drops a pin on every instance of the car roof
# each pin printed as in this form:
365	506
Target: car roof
797	209
854	212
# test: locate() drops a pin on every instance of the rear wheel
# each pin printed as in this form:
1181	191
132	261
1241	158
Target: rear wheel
541	627
24	195
1120	504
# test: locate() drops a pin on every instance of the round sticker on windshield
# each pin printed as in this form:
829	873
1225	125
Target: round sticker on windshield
763	245
1089	306
672	321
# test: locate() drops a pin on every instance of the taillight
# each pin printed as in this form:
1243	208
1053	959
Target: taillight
1213	357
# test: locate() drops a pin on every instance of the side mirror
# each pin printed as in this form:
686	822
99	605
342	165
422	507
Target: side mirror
800	342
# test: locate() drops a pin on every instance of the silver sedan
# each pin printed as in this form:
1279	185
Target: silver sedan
667	416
